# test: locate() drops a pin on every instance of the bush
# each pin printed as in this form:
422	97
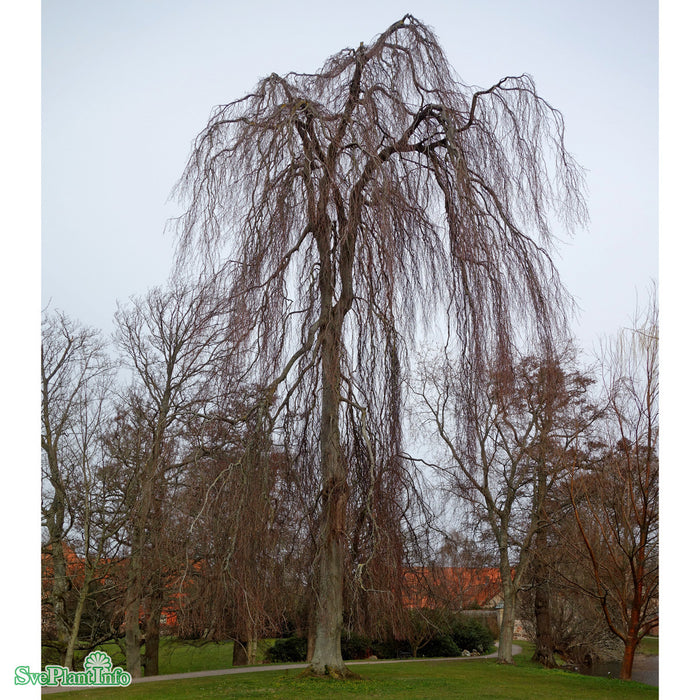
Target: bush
471	635
289	649
443	645
391	648
355	646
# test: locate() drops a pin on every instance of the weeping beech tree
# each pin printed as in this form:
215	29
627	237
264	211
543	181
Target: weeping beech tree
347	209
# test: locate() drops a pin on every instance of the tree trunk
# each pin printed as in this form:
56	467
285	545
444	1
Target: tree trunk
152	645
240	656
327	658
628	658
544	644
59	593
505	639
632	637
251	650
311	639
132	609
77	617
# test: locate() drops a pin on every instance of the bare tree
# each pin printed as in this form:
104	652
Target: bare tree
98	506
508	437
557	395
616	502
73	363
343	208
240	519
169	340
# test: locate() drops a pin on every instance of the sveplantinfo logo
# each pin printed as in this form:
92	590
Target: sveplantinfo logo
98	672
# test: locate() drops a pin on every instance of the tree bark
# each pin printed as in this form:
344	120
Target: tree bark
59	593
152	644
251	646
311	638
628	658
77	617
632	636
544	643
505	639
327	657
240	656
544	647
132	607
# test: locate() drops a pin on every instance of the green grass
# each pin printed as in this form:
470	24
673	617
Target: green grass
649	646
422	679
179	656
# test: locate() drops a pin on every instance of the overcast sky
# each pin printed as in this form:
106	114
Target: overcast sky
127	85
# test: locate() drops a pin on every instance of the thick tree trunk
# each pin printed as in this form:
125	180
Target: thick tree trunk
132	639
152	644
132	609
628	659
251	646
544	643
327	658
240	656
544	646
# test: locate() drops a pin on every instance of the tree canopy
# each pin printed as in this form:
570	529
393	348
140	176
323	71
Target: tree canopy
340	210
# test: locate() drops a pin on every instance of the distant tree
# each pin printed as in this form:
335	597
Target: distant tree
615	503
169	340
99	511
565	412
340	209
74	363
508	436
242	520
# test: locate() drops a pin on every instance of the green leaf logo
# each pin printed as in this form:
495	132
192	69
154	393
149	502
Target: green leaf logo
98	659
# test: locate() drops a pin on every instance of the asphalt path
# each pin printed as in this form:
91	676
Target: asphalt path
272	667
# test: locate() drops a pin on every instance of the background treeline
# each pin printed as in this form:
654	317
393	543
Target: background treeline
176	500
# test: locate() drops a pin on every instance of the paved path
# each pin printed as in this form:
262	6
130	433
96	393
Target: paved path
274	667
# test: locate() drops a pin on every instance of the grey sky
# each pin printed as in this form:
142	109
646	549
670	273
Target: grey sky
127	85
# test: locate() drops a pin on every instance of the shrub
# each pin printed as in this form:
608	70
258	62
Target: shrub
289	649
391	648
442	645
471	635
355	646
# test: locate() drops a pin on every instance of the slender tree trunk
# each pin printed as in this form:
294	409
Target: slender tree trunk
77	617
251	646
632	637
54	524
505	638
628	658
311	636
59	593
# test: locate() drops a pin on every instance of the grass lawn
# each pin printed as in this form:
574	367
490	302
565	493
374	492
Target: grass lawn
649	646
178	656
421	679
